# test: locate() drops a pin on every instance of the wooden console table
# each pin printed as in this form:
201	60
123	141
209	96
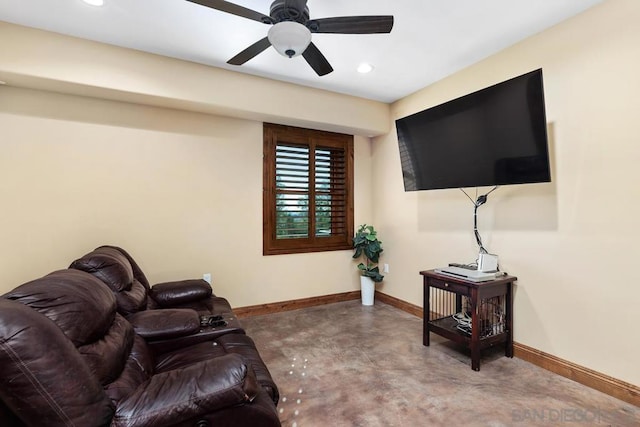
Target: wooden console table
488	304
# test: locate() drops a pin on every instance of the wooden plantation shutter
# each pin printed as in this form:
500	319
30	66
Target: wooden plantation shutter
331	191
308	190
292	191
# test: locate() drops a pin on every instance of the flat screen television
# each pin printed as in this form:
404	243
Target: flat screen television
495	136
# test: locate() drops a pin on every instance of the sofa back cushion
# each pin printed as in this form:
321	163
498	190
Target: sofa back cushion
113	268
138	274
84	309
108	265
81	306
43	378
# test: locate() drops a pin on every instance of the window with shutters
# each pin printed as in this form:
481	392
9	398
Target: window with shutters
308	190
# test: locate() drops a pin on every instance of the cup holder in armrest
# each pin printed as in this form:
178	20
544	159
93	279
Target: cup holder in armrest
212	321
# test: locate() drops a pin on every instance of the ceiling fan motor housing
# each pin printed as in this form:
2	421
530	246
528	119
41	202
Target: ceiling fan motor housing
291	28
289	10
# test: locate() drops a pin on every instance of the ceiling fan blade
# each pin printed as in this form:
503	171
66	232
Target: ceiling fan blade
316	59
352	25
250	52
234	9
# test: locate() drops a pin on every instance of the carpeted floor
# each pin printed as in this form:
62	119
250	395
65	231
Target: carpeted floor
345	364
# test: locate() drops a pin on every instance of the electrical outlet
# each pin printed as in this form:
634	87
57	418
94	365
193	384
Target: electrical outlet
385	268
207	277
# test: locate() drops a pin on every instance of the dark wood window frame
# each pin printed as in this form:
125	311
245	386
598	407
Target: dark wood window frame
323	202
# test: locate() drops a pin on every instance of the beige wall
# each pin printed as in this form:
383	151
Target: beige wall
181	191
179	186
572	243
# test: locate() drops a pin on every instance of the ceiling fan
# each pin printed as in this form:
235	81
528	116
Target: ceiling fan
291	28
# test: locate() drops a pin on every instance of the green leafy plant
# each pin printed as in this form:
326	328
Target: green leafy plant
367	245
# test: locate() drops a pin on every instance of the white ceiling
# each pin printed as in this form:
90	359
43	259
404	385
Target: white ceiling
431	39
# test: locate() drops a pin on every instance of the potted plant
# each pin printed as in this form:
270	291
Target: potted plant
367	245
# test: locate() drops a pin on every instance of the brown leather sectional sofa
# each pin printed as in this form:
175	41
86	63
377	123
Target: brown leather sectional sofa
96	345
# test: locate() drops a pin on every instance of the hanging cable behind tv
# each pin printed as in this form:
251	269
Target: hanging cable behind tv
486	262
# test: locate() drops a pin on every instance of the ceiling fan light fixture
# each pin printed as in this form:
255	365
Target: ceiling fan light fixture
289	38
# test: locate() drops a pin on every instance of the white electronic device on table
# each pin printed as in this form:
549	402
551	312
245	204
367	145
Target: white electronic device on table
488	263
467	274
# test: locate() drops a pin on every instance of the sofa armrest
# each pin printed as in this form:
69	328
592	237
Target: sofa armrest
170	294
179	395
165	324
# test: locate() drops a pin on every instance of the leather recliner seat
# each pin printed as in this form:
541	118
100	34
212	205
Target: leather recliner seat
170	321
68	357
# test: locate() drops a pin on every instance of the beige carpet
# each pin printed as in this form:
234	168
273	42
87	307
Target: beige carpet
345	364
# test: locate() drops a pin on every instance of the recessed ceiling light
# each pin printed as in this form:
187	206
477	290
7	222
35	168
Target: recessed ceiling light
94	2
2	83
365	68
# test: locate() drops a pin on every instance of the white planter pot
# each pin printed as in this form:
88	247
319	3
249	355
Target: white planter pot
367	289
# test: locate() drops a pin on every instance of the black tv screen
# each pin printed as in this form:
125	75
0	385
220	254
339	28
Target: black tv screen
495	136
